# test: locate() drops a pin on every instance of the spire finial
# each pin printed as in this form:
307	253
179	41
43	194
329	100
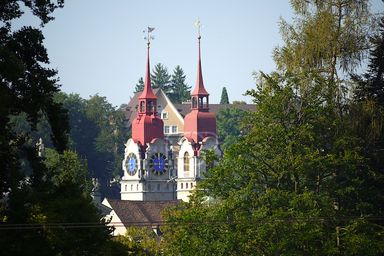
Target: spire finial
199	88
147	91
198	26
149	37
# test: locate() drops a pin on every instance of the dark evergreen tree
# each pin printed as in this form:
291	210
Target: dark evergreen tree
180	91
53	191
26	85
139	86
367	113
371	84
224	96
160	78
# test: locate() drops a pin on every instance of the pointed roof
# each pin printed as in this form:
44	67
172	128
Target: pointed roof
147	92
199	89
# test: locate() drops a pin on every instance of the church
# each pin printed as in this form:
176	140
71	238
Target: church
159	172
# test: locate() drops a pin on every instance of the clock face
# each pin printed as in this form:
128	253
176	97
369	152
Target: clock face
158	163
131	164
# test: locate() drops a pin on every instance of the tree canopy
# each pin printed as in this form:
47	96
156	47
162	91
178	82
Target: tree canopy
300	180
44	198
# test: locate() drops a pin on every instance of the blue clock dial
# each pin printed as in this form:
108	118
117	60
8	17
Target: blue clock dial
158	163
131	164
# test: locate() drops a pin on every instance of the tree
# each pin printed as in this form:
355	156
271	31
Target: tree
285	183
367	113
97	132
224	96
26	85
229	122
38	206
327	39
139	86
160	78
180	91
298	182
56	202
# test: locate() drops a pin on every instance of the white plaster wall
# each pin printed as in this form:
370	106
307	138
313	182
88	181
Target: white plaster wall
185	146
197	166
131	147
115	220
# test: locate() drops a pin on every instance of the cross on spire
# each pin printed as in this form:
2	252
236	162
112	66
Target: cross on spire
149	37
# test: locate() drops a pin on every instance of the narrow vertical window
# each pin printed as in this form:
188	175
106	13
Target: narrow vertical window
142	106
194	102
186	162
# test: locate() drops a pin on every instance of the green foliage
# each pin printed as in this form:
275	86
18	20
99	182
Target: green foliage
224	96
180	91
160	78
97	133
26	85
139	87
292	185
367	112
229	127
67	168
46	199
56	203
300	181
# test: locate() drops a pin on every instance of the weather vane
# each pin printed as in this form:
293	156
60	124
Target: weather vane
198	26
149	37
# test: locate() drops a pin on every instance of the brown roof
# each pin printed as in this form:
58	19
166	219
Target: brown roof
140	212
185	108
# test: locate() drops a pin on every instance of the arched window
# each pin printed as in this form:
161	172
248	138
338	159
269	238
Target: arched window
125	187
181	186
186	185
142	106
194	102
131	187
201	102
186	162
205	102
137	187
150	107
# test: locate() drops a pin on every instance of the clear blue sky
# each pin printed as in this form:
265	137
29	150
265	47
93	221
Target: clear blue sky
98	46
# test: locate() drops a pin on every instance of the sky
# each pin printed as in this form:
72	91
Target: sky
98	47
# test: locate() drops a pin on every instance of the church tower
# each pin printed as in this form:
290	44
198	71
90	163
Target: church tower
199	135
147	155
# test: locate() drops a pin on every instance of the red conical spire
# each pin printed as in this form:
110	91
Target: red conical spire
147	125
199	89
147	92
199	123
